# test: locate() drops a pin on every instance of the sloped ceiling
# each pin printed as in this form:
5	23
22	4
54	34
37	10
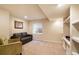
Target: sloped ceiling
52	11
32	11
36	12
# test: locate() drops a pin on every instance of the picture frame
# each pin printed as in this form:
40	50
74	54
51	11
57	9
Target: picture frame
18	25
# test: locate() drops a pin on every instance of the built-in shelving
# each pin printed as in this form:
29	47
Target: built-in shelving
67	41
67	45
75	47
76	39
76	21
76	25
75	53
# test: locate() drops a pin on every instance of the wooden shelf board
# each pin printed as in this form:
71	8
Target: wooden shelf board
76	39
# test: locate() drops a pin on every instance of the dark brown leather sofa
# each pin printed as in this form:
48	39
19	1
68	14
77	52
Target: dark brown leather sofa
24	37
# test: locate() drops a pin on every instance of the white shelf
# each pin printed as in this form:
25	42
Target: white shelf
68	42
75	53
76	21
76	39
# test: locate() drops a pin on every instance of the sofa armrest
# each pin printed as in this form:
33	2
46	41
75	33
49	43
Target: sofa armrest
13	40
11	48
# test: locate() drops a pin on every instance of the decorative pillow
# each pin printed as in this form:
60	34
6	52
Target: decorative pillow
1	42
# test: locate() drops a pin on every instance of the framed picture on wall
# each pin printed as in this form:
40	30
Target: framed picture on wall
18	25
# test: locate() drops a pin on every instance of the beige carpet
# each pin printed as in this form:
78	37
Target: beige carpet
42	48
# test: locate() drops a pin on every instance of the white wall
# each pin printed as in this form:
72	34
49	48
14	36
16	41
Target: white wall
4	24
7	24
52	30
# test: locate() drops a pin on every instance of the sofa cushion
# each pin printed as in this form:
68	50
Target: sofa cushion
25	38
24	34
1	42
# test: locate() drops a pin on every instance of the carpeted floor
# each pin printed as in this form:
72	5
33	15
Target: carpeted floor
42	48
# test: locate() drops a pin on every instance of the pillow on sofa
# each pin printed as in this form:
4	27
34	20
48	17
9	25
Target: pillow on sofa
1	42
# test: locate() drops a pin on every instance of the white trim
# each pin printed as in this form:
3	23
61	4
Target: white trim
76	39
68	42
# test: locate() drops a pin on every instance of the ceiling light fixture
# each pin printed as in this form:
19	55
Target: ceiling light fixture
25	17
60	5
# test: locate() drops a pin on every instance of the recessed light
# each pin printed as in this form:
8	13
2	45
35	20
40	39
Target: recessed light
60	5
25	17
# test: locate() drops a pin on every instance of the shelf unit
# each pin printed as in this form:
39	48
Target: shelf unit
76	39
67	45
75	45
67	41
76	25
76	21
75	53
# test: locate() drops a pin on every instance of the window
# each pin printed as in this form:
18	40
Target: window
37	28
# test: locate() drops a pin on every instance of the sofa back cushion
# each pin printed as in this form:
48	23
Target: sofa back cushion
24	34
17	34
